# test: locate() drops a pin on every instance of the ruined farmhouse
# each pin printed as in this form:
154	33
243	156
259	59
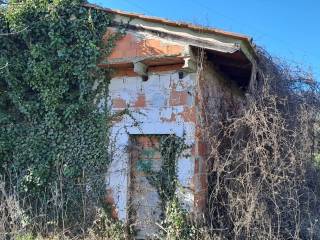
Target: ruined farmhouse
168	75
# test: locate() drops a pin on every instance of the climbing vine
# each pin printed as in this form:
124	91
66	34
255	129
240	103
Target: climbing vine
53	118
176	222
171	148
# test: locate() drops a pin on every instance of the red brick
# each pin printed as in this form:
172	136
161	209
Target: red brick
202	148
119	103
109	200
141	101
200	201
189	114
130	46
196	165
203	181
178	98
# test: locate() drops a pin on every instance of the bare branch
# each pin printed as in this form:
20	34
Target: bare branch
260	156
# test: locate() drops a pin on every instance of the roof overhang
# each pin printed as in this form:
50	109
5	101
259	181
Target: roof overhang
164	25
163	21
233	53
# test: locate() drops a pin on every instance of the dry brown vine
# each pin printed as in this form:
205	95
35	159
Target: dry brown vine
262	180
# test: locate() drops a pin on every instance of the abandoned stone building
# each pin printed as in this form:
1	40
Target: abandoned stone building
165	72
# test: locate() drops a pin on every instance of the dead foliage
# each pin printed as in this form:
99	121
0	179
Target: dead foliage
263	183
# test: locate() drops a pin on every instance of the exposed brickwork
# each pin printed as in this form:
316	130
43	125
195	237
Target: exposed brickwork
196	164
201	186
164	104
200	201
193	150
118	103
110	201
188	114
141	101
178	97
202	149
215	97
131	46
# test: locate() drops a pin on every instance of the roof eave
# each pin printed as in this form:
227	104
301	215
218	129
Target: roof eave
173	23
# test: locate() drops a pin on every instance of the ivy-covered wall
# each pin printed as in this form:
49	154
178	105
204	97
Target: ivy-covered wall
53	140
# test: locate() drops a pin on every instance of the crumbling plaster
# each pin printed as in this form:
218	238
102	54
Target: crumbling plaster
165	104
162	105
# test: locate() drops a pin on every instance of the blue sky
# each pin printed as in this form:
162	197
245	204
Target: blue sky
289	29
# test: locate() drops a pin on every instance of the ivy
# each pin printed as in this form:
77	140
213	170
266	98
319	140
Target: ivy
177	224
165	180
53	137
